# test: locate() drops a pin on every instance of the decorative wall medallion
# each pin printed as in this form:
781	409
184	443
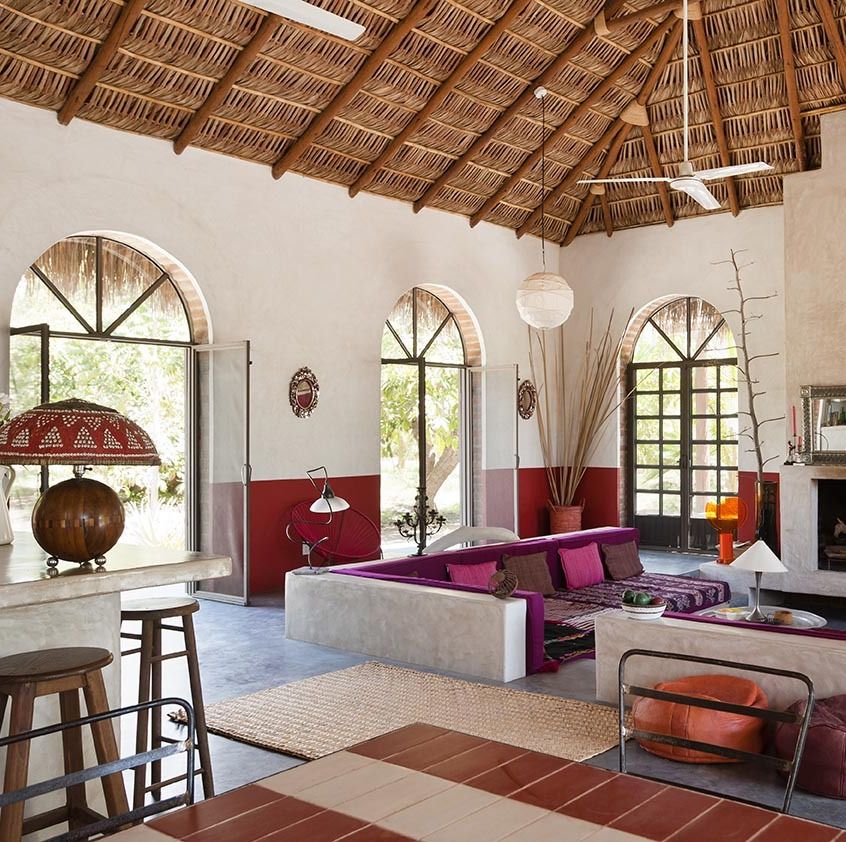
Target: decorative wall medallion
304	392
527	399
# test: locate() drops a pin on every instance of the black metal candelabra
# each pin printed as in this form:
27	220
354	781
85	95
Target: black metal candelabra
421	522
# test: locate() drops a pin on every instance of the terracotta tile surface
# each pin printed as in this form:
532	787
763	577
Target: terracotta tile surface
207	813
435	751
518	773
562	786
727	821
666	813
477	761
612	799
426	783
397	741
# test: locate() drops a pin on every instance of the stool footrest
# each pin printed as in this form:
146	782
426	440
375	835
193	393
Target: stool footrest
168	627
169	656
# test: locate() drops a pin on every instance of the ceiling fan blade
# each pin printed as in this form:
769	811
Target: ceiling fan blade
621	180
737	169
697	191
312	16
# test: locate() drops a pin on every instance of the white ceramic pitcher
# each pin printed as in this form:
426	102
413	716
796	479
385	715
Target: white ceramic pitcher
7	477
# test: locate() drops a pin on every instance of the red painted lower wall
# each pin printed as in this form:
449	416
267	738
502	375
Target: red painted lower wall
746	492
271	553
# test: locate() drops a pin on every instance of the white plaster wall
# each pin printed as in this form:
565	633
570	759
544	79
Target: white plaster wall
300	269
637	266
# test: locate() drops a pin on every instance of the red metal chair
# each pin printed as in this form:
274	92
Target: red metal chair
347	536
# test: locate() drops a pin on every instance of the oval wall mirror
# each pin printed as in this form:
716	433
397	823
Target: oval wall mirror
303	392
527	399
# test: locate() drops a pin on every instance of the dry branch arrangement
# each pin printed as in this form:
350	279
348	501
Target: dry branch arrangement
571	415
744	364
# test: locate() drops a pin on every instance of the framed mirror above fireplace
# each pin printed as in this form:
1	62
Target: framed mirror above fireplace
823	425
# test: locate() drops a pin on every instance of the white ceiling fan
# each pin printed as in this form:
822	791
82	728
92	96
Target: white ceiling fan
689	180
312	16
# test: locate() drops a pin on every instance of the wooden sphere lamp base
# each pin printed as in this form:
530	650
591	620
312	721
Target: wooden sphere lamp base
78	520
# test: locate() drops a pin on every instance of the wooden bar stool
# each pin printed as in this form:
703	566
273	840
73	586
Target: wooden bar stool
151	613
65	671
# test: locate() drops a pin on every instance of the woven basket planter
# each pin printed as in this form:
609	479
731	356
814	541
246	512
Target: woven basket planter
564	518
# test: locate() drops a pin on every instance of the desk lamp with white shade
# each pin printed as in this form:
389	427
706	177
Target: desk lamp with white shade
760	559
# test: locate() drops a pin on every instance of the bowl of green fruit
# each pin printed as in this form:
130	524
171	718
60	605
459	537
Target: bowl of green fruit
640	605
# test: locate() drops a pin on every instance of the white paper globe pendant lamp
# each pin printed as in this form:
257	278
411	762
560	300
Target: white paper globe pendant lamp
544	299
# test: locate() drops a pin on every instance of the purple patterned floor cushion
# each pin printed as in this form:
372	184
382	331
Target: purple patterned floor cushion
684	595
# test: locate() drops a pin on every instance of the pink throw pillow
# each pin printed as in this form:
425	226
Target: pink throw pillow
477	575
582	567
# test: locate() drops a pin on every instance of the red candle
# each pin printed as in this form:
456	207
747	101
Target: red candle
794	420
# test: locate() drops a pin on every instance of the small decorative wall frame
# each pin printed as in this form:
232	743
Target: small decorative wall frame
304	392
527	399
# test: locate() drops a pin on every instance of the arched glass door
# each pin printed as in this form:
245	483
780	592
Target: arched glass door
424	366
683	424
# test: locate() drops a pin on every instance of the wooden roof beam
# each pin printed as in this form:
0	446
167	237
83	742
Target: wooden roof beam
790	82
464	67
572	118
658	172
582	39
832	33
604	171
575	173
606	212
80	92
218	93
364	74
714	105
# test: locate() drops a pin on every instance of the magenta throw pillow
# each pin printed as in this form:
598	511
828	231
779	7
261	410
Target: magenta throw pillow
582	567
477	575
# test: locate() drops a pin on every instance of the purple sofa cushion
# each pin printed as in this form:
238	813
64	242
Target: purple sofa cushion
582	566
472	574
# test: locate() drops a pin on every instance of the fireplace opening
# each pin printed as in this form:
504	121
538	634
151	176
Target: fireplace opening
831	524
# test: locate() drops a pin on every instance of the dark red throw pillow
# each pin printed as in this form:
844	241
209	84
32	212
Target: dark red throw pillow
532	572
622	560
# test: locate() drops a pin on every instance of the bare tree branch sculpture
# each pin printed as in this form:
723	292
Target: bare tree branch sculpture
745	360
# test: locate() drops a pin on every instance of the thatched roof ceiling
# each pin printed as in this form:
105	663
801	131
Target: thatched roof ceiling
440	92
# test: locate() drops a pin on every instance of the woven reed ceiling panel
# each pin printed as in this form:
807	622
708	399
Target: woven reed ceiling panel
433	104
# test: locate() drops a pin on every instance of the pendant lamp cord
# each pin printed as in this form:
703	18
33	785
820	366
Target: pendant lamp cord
543	181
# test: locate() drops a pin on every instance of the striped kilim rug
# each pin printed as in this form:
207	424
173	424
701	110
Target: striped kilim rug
330	712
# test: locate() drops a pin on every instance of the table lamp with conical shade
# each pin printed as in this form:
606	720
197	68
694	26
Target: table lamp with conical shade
760	559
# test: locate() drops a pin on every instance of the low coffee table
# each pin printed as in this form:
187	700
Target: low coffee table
801	619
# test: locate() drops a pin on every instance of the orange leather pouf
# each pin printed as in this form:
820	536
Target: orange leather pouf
711	726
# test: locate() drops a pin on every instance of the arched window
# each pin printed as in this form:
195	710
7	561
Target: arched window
682	423
425	357
98	319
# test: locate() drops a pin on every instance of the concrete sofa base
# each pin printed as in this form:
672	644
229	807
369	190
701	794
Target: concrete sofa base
458	631
823	660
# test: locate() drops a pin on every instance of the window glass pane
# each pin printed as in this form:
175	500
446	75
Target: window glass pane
672	480
647	430
161	316
704	429
728	376
671	454
672	504
35	304
697	505
391	349
672	430
648	504
728	455
705	377
672	319
728	482
651	347
672	403
648	404
443	474
126	275
704	403
401	320
704	454
703	319
647	454
431	313
647	479
704	481
671	379
728	429
647	380
728	403
720	346
70	266
447	347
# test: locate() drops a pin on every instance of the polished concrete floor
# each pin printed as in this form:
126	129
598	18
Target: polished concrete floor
243	650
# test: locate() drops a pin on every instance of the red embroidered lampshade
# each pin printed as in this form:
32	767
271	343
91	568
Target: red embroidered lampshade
75	432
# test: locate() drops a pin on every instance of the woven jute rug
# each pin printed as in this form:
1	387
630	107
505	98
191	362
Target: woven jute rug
330	712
